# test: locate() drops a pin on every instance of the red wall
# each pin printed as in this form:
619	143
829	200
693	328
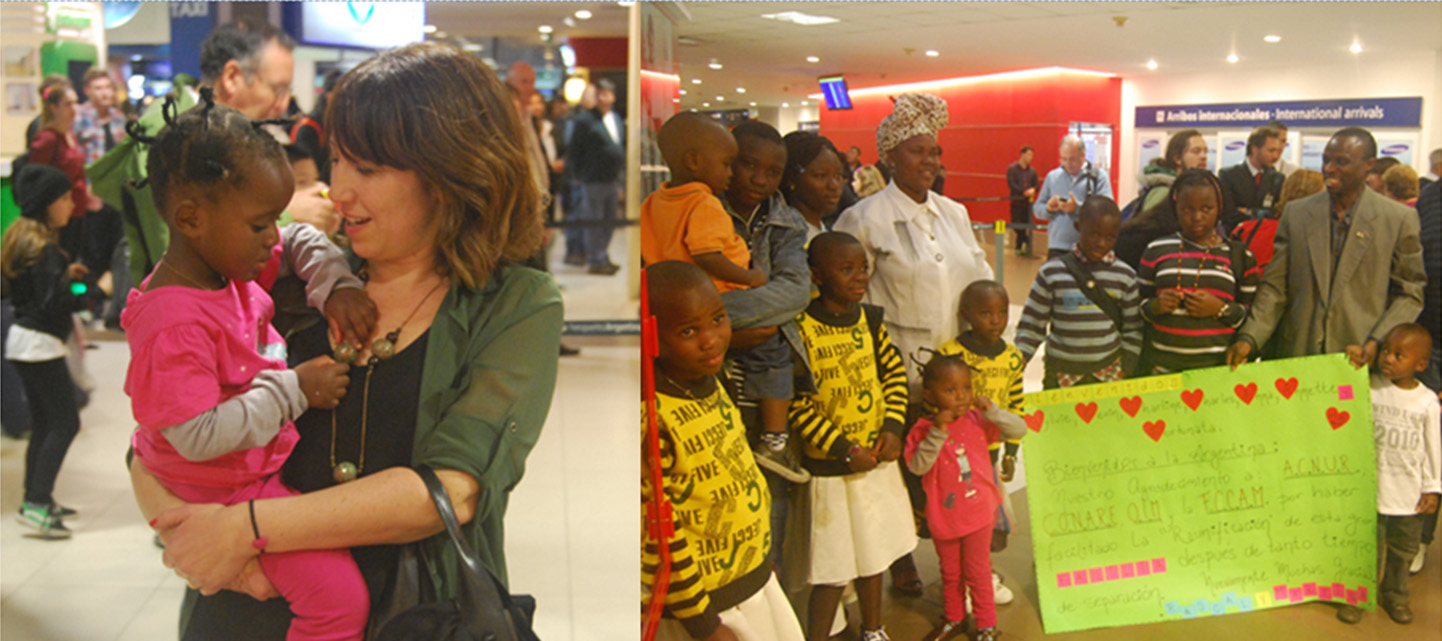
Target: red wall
605	53
989	122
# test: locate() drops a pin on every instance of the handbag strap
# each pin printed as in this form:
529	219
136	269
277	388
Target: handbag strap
453	527
1092	289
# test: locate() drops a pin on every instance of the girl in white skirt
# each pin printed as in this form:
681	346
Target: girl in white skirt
852	424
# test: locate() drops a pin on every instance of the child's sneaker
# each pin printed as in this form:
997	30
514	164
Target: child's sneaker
1002	593
946	631
988	634
1418	560
782	463
878	634
45	523
60	511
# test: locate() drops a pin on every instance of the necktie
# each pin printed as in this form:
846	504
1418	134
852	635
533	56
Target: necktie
1258	178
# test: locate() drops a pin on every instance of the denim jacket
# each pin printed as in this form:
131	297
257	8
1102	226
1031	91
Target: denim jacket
778	248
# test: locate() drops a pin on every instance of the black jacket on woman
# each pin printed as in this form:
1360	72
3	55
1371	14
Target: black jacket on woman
41	295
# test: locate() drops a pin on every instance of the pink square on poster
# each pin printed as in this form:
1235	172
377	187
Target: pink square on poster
1079	577
1294	594
1338	590
1159	565
1352	597
1279	592
1344	392
1362	594
1144	568
1112	573
1128	570
1063	580
1095	575
1309	589
1325	592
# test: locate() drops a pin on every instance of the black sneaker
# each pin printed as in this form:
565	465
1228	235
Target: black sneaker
62	511
47	524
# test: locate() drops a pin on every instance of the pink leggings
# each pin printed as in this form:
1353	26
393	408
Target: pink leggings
968	558
325	589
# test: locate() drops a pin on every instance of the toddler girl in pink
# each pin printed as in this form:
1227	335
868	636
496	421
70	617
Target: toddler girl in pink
208	380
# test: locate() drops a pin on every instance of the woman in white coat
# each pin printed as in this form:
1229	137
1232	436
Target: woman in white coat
922	252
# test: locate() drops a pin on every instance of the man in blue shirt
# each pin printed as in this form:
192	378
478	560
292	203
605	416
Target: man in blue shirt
1064	189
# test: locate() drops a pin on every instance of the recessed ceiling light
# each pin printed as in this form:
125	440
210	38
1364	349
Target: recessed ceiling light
683	92
812	59
545	28
797	17
1232	58
583	14
569	21
740	90
1152	64
804	103
430	28
1272	38
626	3
1356	47
753	104
695	81
720	98
785	104
714	64
675	100
705	104
932	53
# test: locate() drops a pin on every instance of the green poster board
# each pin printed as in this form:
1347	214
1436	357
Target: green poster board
1203	493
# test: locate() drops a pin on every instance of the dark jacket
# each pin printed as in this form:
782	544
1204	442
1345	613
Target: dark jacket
1239	189
593	156
41	295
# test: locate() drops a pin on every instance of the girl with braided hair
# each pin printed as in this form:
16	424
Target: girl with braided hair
208	380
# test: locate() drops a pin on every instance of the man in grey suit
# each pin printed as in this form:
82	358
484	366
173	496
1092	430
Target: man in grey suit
1347	266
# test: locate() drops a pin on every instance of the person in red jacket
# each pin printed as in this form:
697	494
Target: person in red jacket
55	145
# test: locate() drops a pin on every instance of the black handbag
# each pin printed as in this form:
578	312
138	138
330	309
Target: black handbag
482	609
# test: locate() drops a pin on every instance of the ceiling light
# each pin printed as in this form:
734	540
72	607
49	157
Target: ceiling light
430	28
932	53
740	90
753	104
812	59
545	28
714	64
785	104
1356	47
1152	64
1272	38
797	17
695	81
1232	58
683	92
569	21
675	100
803	103
583	14
720	98
626	3
474	47
705	104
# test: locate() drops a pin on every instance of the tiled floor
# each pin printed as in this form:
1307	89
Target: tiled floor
571	531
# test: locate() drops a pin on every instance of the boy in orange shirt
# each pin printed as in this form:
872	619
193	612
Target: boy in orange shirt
685	220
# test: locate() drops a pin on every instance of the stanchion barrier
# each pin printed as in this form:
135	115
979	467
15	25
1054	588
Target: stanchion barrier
1000	227
621	327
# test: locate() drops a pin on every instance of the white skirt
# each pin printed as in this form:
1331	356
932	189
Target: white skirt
766	616
860	524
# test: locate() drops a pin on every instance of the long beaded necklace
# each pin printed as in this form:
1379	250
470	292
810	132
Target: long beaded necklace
381	349
1201	266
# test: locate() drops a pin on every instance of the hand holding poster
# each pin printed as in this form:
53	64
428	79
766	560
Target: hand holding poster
1203	493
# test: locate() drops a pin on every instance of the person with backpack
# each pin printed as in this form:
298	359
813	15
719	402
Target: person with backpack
1065	189
1186	149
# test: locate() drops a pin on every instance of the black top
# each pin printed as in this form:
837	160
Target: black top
390	433
41	295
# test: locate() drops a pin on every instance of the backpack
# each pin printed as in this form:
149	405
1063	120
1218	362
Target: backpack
1135	206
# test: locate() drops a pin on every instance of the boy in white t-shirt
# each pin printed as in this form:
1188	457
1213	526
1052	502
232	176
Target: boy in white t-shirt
1405	419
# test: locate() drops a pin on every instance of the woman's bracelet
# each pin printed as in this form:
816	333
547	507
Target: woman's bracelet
259	542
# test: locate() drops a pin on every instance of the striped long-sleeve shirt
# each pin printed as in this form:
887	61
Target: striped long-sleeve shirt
721	512
859	382
1080	337
1179	340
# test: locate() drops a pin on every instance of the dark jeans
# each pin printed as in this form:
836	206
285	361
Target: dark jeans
54	420
1022	215
1432	378
597	202
1397	543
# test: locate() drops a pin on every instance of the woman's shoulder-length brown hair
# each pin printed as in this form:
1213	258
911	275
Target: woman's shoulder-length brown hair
442	113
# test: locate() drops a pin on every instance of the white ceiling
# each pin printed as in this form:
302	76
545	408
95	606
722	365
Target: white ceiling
480	20
869	45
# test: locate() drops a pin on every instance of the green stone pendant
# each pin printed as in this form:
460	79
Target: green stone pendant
385	347
344	472
346	353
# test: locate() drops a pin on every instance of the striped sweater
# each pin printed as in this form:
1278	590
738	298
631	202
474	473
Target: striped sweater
859	385
1180	341
1080	338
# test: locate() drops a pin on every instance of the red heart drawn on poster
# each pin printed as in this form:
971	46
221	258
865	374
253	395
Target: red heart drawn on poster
1337	418
1034	420
1132	405
1246	392
1154	430
1287	386
1192	398
1087	411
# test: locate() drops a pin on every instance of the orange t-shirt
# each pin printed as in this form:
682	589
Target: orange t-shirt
680	222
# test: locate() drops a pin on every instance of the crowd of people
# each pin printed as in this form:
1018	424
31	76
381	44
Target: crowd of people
879	326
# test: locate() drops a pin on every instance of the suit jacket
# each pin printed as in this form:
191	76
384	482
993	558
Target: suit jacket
1378	284
1239	189
594	157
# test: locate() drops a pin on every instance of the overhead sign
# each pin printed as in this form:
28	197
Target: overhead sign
1204	493
1349	112
372	25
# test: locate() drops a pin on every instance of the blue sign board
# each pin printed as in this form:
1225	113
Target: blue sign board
190	22
1348	112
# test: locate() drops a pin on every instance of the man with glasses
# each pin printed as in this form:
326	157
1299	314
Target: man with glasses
1064	189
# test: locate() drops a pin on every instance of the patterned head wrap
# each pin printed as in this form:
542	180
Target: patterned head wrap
913	114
